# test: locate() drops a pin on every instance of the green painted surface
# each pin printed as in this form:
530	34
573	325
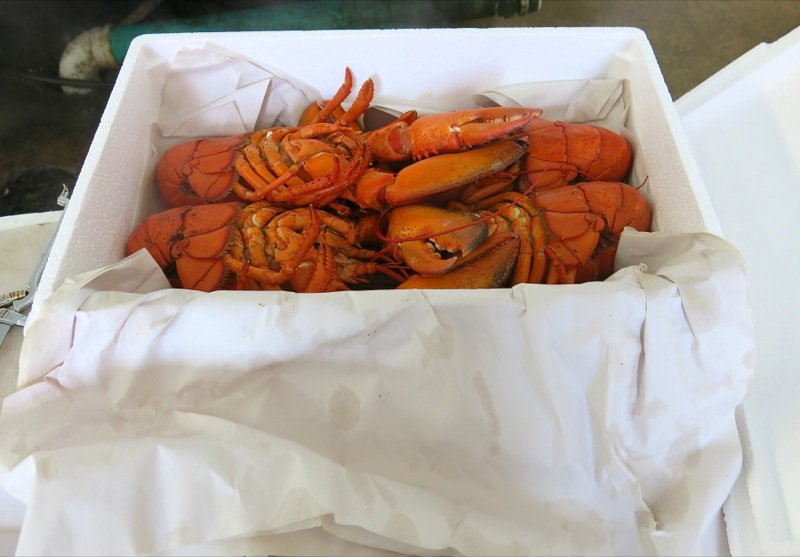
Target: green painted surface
328	14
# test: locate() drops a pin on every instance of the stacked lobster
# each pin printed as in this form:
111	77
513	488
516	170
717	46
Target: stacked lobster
480	198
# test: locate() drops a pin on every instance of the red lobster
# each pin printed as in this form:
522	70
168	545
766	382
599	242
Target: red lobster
561	235
311	163
560	153
260	246
327	157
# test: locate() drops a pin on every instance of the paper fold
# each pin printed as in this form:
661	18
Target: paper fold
599	420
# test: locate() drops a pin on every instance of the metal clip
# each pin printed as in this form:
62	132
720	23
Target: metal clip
11	317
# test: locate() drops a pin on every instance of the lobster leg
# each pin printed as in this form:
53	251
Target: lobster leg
323	272
332	110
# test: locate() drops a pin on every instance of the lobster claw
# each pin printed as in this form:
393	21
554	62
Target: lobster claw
426	178
432	240
448	132
489	266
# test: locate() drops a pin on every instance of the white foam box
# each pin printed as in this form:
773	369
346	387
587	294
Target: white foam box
115	189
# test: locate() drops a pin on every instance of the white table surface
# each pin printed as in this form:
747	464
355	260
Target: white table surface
23	239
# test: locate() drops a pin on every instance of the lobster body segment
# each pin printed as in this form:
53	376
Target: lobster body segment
198	171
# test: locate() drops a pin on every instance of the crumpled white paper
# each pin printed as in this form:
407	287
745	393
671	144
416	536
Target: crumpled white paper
586	419
601	102
212	91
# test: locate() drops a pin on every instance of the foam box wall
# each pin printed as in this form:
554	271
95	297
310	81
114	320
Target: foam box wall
114	190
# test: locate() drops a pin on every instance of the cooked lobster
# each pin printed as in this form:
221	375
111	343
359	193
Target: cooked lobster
463	199
564	235
261	246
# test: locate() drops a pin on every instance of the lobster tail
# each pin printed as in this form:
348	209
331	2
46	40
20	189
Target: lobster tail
560	153
190	240
198	171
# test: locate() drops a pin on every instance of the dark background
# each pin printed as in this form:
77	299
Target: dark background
45	133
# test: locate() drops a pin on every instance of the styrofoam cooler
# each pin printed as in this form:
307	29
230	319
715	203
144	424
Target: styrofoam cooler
743	124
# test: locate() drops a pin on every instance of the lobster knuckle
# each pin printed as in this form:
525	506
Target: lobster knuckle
392	143
369	190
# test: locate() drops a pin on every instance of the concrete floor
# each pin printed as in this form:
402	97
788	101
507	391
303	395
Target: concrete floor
45	134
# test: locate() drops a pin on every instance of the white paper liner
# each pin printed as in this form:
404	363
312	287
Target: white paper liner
212	91
588	419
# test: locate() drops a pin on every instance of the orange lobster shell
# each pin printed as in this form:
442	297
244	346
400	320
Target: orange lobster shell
260	246
471	198
189	241
285	170
566	234
560	153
